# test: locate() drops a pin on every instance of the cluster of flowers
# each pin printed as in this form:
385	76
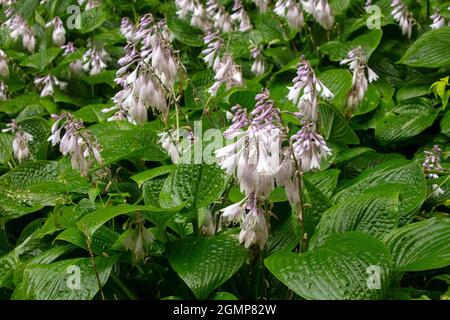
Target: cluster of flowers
77	142
18	27
292	11
432	166
148	70
357	62
21	141
258	159
403	16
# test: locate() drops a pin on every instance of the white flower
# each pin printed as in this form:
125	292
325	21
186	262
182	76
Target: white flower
95	59
240	16
309	147
258	66
4	69
321	11
262	5
304	93
59	33
20	142
403	16
292	11
227	73
48	84
3	91
357	62
438	21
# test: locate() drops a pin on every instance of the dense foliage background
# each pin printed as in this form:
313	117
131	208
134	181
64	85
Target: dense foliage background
135	225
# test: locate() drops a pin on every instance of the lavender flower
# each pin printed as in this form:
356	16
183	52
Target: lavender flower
95	59
309	147
90	4
148	73
258	66
77	65
19	28
403	16
357	62
4	69
20	142
262	5
47	84
199	18
212	52
291	10
185	7
306	89
432	162
241	17
321	11
220	17
138	238
254	160
77	142
128	29
227	73
59	33
438	21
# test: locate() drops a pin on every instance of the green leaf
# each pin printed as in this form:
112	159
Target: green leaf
6	148
197	184
41	59
339	82
405	121
184	32
334	126
53	281
123	140
325	181
372	212
92	19
338	270
101	241
270	28
445	124
146	175
39	128
92	221
430	50
206	263
421	246
316	203
395	172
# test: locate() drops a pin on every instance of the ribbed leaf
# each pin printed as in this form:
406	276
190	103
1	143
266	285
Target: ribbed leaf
335	127
404	176
338	270
206	263
197	184
372	212
430	50
41	59
421	246
184	32
406	120
339	81
53	282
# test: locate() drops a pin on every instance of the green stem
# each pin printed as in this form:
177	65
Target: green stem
131	295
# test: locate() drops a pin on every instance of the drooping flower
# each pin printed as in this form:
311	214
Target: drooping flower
148	73
227	73
4	69
321	11
90	4
241	17
309	147
438	21
59	33
20	142
357	62
95	59
403	16
47	84
77	142
220	17
306	89
128	29
258	66
77	65
199	18
254	160
262	5
185	7
291	10
19	28
432	162
212	53
138	238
